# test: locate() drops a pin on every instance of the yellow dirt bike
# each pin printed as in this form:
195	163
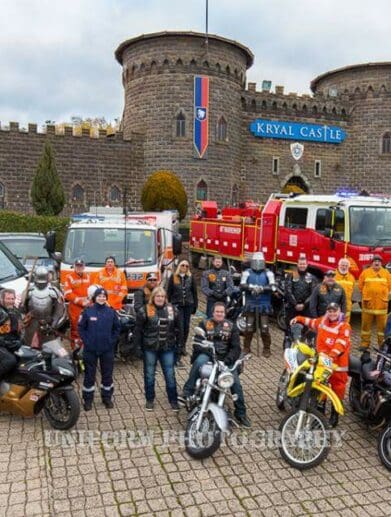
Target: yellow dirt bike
305	431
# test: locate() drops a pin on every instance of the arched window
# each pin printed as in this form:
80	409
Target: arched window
2	195
115	194
78	194
235	195
222	135
180	125
202	191
386	143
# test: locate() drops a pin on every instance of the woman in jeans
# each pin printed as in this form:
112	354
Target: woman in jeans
182	293
157	331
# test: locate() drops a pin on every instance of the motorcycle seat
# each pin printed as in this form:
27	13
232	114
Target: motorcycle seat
366	370
354	365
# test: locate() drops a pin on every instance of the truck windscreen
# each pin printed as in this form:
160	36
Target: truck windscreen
370	226
93	245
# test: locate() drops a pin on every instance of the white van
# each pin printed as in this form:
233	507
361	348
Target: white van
13	275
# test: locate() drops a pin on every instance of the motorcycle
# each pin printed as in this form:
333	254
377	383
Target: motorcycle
42	380
278	302
304	440
208	418
294	356
126	348
370	396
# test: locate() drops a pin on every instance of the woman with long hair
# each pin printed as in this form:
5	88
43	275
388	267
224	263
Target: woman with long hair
182	293
156	333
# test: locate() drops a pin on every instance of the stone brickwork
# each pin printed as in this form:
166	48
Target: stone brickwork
95	164
158	79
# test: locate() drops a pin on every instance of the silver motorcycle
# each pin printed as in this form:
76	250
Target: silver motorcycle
208	417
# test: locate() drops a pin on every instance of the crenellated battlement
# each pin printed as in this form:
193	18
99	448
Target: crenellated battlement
294	104
60	131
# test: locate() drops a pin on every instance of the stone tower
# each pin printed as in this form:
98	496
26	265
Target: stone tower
158	79
367	90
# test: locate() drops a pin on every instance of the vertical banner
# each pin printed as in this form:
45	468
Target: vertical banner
201	108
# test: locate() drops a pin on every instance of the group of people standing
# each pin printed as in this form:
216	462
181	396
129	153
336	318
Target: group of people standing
163	319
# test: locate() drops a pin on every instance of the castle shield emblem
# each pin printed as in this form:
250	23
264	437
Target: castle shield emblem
297	150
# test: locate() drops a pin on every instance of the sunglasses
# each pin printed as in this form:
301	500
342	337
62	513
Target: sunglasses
152	280
185	265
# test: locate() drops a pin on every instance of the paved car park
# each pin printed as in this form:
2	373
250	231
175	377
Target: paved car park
129	462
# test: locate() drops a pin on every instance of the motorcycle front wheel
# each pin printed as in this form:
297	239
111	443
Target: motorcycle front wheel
308	446
62	409
205	442
384	446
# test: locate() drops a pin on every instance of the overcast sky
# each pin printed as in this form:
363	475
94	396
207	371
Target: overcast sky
57	56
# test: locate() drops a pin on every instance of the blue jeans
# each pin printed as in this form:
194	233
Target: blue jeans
188	388
184	314
166	359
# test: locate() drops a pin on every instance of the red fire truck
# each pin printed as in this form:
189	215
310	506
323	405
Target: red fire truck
323	227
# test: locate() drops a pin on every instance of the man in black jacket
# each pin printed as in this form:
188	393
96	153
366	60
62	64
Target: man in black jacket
329	291
216	284
225	336
299	285
141	296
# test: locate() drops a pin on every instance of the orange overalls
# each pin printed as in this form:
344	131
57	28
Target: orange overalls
333	339
115	285
347	281
75	292
375	288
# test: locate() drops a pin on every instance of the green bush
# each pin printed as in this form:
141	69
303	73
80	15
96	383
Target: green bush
164	191
15	222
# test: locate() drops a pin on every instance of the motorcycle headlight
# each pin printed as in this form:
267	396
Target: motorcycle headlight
65	372
225	380
206	370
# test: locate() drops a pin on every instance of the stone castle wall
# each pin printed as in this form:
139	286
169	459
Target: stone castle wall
158	79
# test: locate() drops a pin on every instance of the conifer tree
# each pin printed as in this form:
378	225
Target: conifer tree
47	193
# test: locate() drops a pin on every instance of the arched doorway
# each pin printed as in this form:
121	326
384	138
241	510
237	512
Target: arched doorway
296	185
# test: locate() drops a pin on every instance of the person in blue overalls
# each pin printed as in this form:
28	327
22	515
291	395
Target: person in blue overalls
99	328
258	284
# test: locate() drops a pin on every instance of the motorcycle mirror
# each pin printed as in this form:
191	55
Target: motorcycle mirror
198	331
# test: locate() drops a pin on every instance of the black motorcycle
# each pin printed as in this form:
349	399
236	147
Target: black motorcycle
42	380
126	348
370	395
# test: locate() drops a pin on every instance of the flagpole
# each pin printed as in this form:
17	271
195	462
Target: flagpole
206	22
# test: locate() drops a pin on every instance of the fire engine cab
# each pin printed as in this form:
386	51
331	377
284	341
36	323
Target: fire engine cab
323	227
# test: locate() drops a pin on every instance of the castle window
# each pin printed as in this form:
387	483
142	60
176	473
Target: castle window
202	191
2	195
276	165
222	130
180	125
115	194
386	143
235	195
78	194
318	168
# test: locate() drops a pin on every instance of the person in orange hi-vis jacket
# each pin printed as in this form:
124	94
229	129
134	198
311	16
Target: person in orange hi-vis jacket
113	280
346	280
75	293
375	286
333	339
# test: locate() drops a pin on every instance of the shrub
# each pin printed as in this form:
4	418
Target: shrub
163	190
15	222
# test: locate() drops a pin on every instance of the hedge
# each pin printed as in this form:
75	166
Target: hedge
15	222
163	190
